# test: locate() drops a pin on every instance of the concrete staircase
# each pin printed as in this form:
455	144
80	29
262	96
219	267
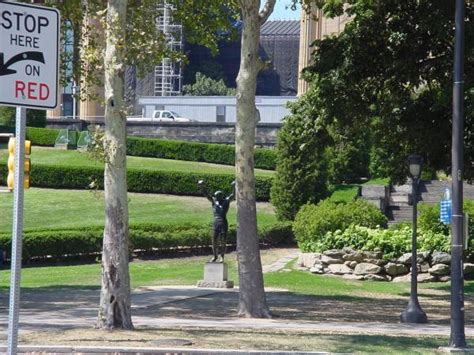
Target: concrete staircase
399	207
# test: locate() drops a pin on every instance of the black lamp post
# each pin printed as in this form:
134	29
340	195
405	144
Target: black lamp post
413	313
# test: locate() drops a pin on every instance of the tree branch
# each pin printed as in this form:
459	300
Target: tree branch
266	11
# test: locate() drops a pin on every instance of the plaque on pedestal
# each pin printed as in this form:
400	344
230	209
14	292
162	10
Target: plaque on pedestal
215	276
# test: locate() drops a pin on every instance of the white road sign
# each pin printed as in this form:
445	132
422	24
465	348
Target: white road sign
29	55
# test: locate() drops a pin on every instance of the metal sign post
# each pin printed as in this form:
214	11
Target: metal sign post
17	230
29	66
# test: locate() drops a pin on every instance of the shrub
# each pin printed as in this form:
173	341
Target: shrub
392	242
164	182
301	171
204	152
143	237
313	221
428	219
42	136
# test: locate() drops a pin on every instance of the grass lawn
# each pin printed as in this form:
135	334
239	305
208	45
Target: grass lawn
49	208
51	156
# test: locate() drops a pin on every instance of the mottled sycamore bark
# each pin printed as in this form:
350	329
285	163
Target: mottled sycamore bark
252	299
115	306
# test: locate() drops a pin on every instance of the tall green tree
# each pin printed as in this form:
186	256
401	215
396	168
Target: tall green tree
389	74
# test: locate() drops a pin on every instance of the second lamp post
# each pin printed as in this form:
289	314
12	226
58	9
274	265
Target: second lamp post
413	313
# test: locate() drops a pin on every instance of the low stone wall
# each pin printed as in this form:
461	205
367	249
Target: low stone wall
364	265
205	132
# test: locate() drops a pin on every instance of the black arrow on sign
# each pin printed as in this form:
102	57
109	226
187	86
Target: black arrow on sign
35	56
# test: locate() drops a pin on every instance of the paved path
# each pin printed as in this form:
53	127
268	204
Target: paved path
281	263
66	309
154	307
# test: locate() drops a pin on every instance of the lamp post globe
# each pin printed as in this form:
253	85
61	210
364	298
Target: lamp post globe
413	313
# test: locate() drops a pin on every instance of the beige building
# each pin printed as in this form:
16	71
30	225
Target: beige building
313	27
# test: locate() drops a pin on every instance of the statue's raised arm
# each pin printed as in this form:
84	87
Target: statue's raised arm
231	197
204	189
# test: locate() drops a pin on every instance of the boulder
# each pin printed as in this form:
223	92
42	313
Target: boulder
334	253
439	257
367	268
354	256
373	277
468	269
308	259
329	260
351	264
420	258
379	262
404	278
425	277
423	267
439	270
317	269
353	277
372	255
444	278
339	269
394	269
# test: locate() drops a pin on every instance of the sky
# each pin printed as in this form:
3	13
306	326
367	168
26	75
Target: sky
280	11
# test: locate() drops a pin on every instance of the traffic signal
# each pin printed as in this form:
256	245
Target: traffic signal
11	164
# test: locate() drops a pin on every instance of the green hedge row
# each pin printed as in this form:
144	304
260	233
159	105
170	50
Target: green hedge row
143	237
203	152
163	182
159	148
39	136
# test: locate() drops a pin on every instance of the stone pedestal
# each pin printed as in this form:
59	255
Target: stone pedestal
215	275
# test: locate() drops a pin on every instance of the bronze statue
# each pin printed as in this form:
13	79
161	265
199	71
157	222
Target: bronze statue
220	206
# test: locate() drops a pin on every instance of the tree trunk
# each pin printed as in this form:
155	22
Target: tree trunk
252	300
115	306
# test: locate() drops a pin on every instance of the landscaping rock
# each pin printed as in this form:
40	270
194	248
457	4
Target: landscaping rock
339	269
317	269
379	262
308	259
355	256
372	277
394	269
372	255
425	278
353	277
423	267
351	264
404	278
328	260
440	258
405	259
468	269
420	258
367	268
334	253
439	270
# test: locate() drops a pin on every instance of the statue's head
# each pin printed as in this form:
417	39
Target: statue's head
219	195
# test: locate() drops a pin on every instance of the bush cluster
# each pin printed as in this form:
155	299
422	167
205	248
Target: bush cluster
143	238
163	182
313	221
392	242
203	152
42	136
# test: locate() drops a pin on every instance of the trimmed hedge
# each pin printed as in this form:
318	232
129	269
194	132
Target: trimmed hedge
143	237
38	136
166	149
203	152
163	182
